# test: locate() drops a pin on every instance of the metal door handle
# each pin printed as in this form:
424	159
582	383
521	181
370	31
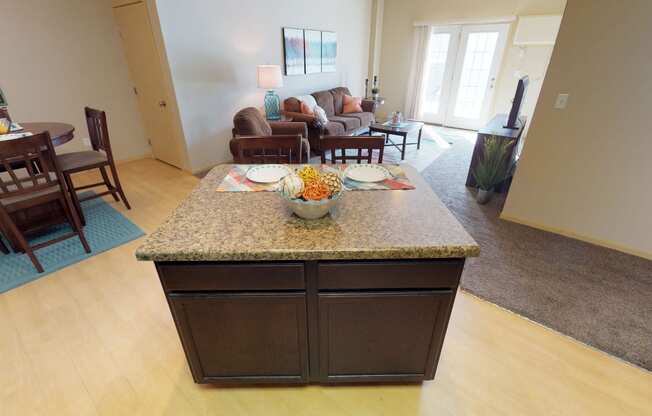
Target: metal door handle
162	103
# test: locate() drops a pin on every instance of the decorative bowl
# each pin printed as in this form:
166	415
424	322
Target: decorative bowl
312	210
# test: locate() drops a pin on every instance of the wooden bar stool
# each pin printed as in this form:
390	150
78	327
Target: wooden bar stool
100	158
25	188
343	143
273	149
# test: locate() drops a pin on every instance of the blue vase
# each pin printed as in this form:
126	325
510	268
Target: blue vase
272	106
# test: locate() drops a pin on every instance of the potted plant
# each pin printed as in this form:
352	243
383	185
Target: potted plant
493	168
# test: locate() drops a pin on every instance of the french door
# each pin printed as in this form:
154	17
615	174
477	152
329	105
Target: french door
462	64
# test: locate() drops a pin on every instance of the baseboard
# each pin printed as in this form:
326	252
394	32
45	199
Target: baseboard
581	237
147	157
133	159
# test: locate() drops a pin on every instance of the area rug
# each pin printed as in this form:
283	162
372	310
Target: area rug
105	229
433	145
598	296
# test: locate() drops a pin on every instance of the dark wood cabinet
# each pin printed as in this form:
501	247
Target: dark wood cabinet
244	337
312	321
381	336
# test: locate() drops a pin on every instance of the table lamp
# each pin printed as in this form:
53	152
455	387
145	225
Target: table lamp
270	77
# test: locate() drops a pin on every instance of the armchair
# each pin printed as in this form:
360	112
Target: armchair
249	122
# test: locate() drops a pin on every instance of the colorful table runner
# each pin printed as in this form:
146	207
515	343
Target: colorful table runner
236	181
14	136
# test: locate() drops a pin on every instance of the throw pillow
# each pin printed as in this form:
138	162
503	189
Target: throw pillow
352	105
320	113
305	109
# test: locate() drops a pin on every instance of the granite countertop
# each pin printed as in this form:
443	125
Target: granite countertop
248	226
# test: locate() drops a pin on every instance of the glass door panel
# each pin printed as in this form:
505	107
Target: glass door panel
481	49
475	74
440	63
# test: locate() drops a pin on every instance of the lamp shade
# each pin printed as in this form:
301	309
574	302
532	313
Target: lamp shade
269	76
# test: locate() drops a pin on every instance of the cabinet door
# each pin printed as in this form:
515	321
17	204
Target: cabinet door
243	337
382	336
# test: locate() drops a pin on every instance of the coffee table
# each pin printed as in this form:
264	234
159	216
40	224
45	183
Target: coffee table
402	130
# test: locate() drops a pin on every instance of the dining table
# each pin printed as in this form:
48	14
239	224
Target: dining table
60	133
29	221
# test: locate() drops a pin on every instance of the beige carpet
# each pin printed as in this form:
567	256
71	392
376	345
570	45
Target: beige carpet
598	296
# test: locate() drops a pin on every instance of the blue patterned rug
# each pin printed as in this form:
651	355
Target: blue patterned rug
105	229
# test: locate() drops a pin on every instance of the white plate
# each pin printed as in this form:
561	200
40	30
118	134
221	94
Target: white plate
367	173
267	173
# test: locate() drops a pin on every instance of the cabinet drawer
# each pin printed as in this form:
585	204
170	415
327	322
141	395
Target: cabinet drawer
182	277
415	274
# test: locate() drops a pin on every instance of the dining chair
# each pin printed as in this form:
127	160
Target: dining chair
3	247
100	158
25	188
277	149
359	143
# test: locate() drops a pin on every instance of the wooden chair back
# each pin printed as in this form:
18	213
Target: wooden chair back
273	149
30	164
98	131
359	143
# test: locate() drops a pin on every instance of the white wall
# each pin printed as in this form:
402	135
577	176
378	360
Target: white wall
398	29
62	55
586	170
214	46
532	61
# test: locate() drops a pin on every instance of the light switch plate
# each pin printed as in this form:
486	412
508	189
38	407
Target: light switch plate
562	101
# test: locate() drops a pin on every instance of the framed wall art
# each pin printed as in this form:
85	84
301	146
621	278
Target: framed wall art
293	47
328	52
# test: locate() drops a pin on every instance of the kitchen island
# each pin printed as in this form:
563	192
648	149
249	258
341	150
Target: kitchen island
259	295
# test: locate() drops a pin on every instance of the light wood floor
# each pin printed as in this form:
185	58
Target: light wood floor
98	338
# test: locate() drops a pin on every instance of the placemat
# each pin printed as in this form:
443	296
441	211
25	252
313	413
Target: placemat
236	181
14	136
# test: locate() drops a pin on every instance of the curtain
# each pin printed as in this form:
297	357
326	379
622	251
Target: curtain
415	86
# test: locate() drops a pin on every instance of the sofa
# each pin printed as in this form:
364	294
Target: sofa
250	122
332	101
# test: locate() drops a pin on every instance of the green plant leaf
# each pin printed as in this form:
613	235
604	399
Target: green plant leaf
494	167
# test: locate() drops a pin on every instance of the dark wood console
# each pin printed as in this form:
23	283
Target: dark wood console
495	128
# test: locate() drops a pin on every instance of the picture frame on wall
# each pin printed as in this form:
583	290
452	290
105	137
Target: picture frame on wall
328	52
313	51
294	51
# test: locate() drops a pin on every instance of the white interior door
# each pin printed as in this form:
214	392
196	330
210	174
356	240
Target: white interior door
440	66
476	69
147	76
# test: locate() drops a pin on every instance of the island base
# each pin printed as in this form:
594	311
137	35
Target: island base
311	321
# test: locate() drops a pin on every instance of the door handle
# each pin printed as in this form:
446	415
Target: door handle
162	103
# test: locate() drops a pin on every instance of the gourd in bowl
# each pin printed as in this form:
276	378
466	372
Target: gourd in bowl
312	210
310	193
